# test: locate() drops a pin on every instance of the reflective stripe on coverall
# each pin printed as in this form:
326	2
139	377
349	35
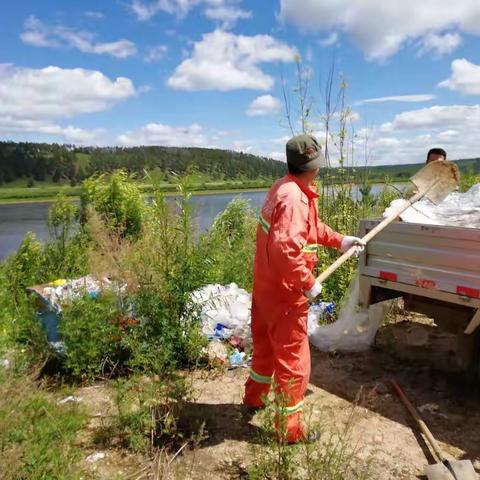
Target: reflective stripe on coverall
288	235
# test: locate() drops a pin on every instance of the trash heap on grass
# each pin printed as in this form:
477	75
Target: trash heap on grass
52	296
56	293
225	313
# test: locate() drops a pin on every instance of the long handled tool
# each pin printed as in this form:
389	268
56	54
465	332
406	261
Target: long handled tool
445	469
434	181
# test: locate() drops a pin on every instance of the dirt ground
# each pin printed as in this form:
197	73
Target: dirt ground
417	354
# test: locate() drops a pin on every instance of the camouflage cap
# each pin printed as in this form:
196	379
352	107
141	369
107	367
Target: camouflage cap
305	153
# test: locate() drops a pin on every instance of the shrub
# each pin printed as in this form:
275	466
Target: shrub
164	339
92	330
24	267
66	252
146	412
118	199
19	326
334	456
230	245
469	179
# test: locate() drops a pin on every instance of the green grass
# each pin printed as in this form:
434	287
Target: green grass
38	437
17	192
44	192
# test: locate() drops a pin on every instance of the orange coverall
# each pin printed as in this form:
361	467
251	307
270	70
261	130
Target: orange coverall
288	235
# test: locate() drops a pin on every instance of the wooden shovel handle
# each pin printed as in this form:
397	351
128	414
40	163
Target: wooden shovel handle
374	231
421	424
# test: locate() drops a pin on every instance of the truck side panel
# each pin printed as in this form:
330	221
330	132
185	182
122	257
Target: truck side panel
433	257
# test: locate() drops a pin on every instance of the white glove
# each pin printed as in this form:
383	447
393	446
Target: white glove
349	242
314	292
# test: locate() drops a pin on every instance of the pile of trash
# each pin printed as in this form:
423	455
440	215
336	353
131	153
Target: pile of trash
58	292
458	209
355	329
52	296
225	313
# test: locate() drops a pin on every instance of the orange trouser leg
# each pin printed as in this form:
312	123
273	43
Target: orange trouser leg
258	384
291	351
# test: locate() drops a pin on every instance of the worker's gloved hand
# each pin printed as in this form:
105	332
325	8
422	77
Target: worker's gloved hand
349	242
314	292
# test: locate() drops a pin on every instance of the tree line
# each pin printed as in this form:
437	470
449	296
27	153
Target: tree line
60	163
68	163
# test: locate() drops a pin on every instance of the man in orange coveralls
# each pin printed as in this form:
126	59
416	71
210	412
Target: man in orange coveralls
288	235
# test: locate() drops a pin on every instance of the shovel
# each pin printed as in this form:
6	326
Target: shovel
445	469
434	181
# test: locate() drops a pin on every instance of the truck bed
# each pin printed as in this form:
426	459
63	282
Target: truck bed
439	262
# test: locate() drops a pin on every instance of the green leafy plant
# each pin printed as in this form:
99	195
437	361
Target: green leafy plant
92	330
333	455
146	412
230	245
118	199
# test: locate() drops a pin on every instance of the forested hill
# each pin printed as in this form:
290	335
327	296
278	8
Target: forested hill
41	161
60	163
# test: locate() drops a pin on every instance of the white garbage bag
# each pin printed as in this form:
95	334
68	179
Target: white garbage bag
355	329
225	311
458	209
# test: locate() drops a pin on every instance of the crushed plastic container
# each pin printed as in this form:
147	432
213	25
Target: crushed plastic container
236	359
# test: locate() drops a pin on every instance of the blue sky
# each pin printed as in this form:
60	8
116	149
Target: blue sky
209	73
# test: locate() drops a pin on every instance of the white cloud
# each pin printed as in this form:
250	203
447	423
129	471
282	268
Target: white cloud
38	34
264	105
54	92
465	77
32	99
68	134
156	53
95	15
382	28
146	10
438	116
224	11
440	44
280	156
398	98
332	39
408	137
165	135
224	61
194	135
228	15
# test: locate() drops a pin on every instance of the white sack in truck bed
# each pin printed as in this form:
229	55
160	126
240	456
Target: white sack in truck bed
457	210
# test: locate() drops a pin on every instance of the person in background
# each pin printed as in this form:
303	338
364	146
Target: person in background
289	235
436	154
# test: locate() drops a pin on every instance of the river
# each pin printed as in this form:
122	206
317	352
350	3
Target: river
19	218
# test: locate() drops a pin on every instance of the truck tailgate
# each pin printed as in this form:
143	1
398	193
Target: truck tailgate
427	256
